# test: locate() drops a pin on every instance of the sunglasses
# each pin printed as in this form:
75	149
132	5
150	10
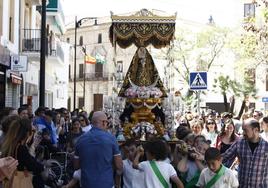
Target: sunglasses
81	120
210	123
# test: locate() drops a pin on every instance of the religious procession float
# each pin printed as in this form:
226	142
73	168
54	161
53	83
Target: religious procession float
142	87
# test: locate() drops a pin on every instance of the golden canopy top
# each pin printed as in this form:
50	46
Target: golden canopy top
142	28
144	16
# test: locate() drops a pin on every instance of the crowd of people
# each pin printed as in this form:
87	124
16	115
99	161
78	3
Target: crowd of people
212	150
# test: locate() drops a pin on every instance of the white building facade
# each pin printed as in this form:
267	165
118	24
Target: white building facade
21	35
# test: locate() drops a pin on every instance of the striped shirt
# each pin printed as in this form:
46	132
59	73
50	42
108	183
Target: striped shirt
253	168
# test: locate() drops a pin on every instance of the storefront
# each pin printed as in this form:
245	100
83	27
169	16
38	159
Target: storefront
13	90
4	65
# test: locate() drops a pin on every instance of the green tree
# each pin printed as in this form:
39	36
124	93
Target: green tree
245	90
197	52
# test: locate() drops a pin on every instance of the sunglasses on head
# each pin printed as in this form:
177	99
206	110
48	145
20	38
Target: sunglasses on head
211	122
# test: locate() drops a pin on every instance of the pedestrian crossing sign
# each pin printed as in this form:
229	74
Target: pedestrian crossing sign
198	80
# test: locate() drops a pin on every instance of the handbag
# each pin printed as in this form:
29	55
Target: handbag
19	179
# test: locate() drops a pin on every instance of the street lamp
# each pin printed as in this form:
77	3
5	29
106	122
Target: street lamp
77	25
42	78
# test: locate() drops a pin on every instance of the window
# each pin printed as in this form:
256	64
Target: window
98	70
11	20
98	102
81	41
1	17
69	71
69	103
99	38
80	102
119	66
68	40
266	80
249	10
81	70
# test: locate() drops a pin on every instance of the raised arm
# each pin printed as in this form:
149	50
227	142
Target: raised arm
177	181
231	153
139	153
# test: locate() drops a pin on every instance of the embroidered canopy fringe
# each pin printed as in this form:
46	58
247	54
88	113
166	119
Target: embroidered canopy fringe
142	34
142	29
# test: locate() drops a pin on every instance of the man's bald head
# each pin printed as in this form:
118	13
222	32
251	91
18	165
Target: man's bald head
99	119
253	123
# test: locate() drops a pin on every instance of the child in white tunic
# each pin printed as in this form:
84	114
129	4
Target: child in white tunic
216	175
156	153
132	178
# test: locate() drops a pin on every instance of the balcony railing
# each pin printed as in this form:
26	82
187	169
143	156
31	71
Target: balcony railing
94	76
31	42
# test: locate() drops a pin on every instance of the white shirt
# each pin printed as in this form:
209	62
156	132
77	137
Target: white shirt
212	136
132	178
264	135
86	128
151	180
77	176
227	180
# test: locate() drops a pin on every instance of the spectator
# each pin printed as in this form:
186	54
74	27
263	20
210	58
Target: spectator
19	133
264	127
197	127
23	112
252	154
6	112
29	110
96	152
73	135
49	124
85	125
211	132
257	115
216	175
7	121
226	137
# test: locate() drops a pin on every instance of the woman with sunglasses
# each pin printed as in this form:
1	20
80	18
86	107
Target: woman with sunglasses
211	131
84	122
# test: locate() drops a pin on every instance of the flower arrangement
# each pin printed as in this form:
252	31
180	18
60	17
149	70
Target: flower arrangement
143	92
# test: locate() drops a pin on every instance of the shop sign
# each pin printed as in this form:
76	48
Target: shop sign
19	63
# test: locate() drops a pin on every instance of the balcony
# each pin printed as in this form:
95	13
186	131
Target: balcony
31	40
31	43
55	14
94	76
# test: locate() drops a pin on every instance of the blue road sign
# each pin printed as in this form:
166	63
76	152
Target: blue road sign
198	81
265	99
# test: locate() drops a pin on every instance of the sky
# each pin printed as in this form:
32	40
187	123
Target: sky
224	12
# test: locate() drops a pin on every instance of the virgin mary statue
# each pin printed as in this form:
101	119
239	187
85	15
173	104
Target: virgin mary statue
142	72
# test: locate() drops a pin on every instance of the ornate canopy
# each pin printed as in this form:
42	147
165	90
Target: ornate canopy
142	29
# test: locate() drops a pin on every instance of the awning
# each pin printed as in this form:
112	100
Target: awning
15	79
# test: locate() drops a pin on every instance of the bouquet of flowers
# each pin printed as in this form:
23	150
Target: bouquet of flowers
143	92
